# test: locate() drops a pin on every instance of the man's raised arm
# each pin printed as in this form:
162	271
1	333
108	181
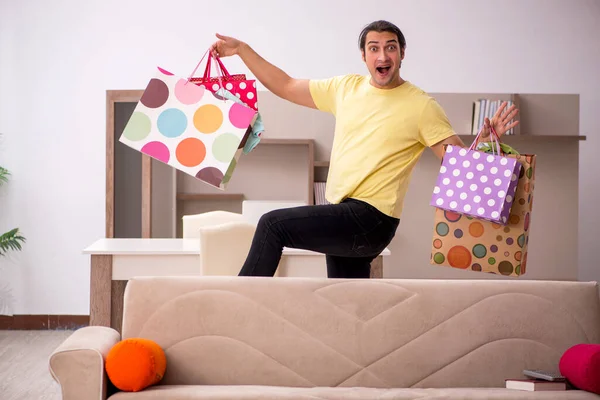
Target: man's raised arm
274	79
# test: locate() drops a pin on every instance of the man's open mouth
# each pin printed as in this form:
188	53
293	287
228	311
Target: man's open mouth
383	70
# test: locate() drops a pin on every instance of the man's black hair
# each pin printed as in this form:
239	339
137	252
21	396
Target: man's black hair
381	26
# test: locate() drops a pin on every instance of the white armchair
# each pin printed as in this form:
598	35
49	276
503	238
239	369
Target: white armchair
193	223
225	237
224	247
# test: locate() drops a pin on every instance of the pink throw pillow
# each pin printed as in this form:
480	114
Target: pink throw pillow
580	364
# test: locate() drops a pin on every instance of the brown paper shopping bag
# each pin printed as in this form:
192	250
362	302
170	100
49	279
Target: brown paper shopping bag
464	242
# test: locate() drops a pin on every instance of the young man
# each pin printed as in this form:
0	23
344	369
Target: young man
383	124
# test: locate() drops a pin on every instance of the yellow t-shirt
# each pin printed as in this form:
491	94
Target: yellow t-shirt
379	136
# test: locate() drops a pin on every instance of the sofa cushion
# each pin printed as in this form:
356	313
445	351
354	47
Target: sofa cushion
581	366
325	393
136	363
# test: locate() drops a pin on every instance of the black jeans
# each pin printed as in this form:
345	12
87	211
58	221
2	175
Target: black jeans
351	234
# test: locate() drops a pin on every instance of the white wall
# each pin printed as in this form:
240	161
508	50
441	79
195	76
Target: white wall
58	58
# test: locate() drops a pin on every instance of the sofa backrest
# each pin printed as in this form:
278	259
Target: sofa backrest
308	332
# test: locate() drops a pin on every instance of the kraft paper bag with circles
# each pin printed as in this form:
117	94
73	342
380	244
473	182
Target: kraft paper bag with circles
466	242
188	127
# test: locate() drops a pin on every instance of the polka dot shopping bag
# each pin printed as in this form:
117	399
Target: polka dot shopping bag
475	183
244	89
467	242
189	128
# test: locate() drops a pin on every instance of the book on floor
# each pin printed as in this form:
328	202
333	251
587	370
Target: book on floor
535	385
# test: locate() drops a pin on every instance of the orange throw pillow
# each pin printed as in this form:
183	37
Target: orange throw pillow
134	364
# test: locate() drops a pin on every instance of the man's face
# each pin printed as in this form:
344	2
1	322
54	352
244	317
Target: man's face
382	54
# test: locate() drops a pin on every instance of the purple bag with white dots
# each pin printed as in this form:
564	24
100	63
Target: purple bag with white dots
476	183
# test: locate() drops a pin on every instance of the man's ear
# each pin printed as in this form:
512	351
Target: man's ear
362	53
402	53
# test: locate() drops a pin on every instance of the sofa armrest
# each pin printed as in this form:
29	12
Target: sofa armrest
78	363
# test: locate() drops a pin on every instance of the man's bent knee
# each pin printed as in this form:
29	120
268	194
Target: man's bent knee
271	217
266	220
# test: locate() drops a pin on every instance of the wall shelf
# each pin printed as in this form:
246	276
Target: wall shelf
210	196
304	142
522	137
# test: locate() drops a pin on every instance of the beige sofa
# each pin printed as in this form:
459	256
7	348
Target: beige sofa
313	338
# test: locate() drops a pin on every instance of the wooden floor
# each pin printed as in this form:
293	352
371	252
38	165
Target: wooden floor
24	373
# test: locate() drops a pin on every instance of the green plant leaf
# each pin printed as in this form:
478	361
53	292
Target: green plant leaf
11	240
4	174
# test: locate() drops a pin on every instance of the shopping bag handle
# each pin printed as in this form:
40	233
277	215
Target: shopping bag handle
197	66
208	62
221	67
219	77
225	72
494	136
219	70
219	73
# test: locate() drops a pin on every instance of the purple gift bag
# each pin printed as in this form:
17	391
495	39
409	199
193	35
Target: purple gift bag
476	183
